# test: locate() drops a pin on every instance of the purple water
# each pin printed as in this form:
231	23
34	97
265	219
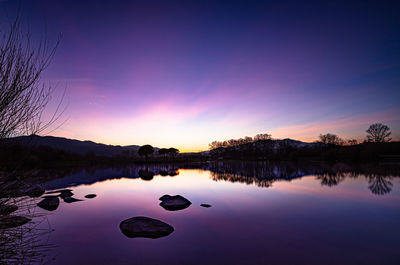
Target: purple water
304	219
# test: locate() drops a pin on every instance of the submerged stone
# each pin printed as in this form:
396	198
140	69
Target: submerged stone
90	196
174	203
49	203
10	221
141	226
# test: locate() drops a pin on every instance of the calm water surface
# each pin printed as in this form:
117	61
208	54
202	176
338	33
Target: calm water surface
260	214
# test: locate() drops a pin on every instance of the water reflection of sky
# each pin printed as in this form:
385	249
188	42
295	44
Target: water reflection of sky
298	221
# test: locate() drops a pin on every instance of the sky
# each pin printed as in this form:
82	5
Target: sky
186	73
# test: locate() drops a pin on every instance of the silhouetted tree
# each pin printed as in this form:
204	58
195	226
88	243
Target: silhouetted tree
352	142
162	151
236	142
331	139
173	151
23	97
146	150
262	136
378	133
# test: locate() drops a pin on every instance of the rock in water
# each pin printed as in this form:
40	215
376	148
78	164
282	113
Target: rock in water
174	203
10	221
70	199
49	203
141	226
90	196
66	193
205	205
165	197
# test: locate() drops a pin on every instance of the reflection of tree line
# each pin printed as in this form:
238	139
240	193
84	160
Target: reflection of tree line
264	174
68	177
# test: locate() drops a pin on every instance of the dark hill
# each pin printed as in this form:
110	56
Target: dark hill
74	146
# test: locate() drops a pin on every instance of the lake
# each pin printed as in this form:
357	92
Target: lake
261	213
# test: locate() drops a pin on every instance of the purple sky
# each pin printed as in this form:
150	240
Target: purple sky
186	73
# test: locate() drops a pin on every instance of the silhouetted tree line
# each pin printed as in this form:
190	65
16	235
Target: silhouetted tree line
168	151
376	133
14	157
241	141
164	154
329	147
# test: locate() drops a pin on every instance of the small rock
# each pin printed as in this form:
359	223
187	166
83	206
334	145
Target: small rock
10	221
70	199
174	203
90	196
49	203
205	205
141	226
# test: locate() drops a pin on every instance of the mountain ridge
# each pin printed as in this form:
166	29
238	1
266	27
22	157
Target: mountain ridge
74	146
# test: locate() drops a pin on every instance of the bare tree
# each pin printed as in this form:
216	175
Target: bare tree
236	142
23	95
262	136
352	142
378	133
331	139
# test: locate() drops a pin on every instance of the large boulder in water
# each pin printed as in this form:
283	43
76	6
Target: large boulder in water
141	226
174	203
11	221
49	203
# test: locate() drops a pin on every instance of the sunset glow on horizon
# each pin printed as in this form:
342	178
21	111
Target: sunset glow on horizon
184	74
